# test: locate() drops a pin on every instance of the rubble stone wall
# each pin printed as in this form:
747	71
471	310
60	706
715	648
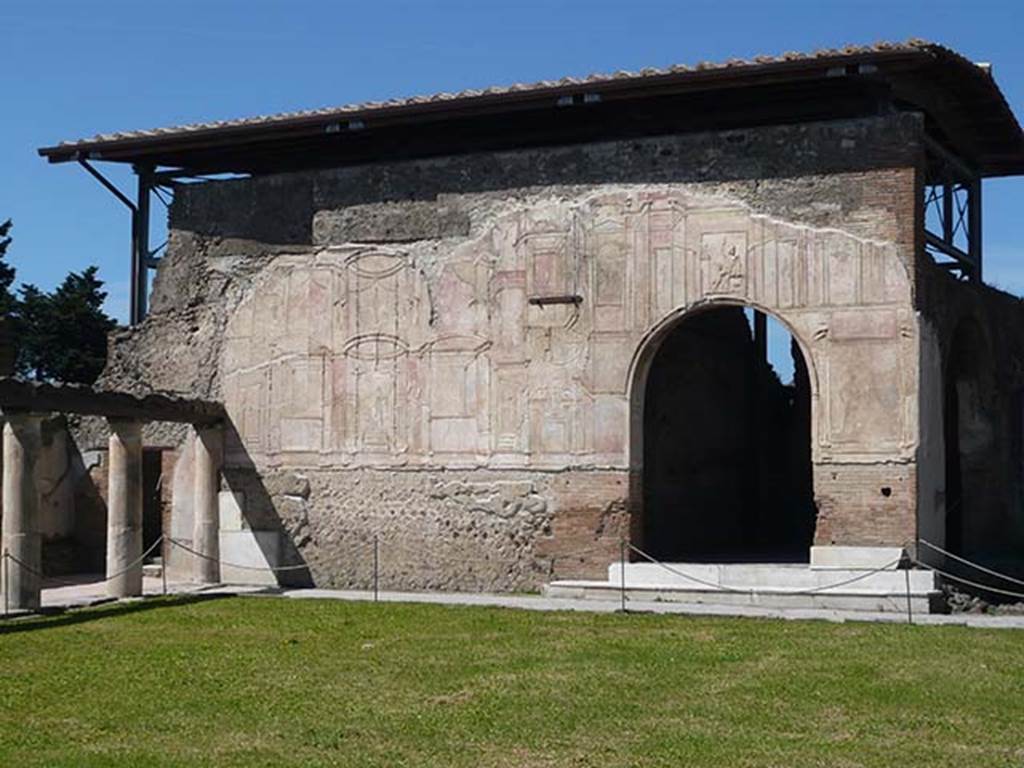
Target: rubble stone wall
372	334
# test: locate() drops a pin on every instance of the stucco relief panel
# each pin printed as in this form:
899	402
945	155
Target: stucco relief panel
358	355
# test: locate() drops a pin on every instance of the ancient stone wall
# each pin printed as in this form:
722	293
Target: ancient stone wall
59	473
973	364
372	334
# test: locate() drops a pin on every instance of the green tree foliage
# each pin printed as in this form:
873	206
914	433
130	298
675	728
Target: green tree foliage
57	336
7	299
64	333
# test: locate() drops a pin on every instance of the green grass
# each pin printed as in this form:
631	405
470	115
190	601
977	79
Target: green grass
274	682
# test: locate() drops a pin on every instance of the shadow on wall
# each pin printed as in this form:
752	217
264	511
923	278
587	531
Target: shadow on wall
975	487
252	533
66	498
90	509
249	509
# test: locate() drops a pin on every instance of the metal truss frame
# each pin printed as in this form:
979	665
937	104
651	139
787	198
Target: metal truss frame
952	212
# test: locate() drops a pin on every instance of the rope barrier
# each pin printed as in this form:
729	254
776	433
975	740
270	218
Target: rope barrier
970	583
750	590
981	568
241	567
687	576
53	580
373	546
66	583
368	547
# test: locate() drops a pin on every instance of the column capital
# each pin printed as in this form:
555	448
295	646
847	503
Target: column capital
210	432
16	417
126	428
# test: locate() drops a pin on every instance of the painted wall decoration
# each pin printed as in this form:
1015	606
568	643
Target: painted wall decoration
365	355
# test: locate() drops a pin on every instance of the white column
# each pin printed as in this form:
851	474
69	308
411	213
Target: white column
124	510
21	539
209	449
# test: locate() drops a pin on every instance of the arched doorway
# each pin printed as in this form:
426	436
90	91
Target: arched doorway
726	455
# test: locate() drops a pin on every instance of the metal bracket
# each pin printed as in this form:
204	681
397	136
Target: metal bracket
142	258
540	301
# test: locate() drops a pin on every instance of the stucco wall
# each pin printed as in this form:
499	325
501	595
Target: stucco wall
370	332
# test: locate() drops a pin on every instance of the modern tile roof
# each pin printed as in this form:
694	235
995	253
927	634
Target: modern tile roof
333	118
515	88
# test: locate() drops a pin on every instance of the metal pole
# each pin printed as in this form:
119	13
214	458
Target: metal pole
761	337
622	572
910	613
140	253
134	318
974	226
163	564
376	564
947	212
7	581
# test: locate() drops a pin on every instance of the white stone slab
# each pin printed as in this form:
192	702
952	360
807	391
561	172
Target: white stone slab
855	558
780	577
847	599
253	550
231	505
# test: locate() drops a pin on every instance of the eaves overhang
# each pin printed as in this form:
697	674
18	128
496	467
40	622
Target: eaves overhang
961	100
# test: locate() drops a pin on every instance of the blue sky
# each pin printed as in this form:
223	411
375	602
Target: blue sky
73	69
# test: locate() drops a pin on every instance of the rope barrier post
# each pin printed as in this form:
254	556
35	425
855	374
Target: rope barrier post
376	564
910	612
164	551
7	581
622	572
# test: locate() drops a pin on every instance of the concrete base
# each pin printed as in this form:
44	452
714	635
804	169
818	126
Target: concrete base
762	585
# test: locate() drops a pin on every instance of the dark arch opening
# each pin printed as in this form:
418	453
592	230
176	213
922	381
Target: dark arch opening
727	471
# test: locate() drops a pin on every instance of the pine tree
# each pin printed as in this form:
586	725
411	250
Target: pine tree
8	305
7	300
65	332
30	320
58	336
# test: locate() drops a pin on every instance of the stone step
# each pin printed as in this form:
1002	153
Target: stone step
153	570
774	576
766	585
876	601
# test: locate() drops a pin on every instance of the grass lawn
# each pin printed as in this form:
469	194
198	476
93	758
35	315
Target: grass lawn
275	682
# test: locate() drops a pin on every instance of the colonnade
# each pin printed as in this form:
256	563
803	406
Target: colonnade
22	541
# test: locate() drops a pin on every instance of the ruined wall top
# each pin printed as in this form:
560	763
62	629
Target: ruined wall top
279	209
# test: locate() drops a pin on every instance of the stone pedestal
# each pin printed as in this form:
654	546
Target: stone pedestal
21	539
209	449
124	510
